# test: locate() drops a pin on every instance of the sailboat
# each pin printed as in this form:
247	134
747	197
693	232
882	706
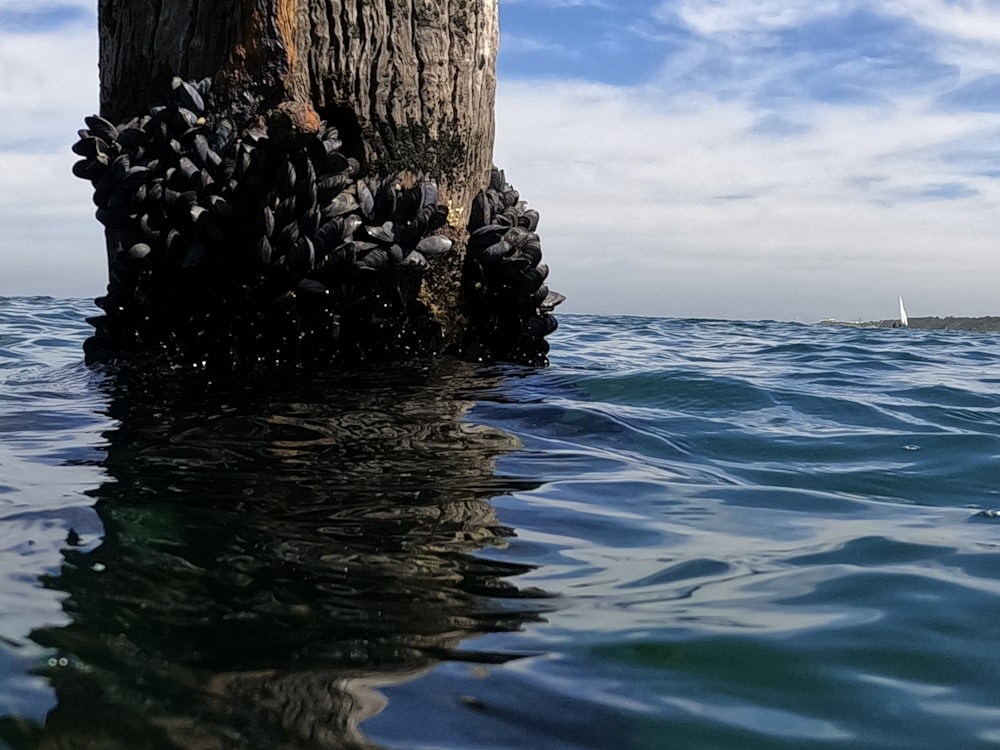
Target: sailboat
902	313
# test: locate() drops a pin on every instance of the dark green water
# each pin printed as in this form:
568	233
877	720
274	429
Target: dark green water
684	534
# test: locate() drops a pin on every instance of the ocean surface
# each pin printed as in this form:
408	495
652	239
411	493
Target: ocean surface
682	534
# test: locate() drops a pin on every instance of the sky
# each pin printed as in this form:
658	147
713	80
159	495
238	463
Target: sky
746	159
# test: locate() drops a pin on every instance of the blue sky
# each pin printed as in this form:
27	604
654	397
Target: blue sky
795	159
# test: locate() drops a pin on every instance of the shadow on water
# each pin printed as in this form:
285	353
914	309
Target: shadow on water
273	553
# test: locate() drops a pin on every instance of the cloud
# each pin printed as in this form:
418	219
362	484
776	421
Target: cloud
785	159
690	210
51	243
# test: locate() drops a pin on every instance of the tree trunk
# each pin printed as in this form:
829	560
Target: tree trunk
286	167
409	83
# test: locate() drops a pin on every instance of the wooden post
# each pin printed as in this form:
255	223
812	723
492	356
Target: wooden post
224	124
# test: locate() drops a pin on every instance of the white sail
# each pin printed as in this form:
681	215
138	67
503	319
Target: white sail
902	312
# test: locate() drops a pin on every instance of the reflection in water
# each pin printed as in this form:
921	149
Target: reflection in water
273	553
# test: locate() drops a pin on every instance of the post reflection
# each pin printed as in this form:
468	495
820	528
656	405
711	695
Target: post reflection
276	551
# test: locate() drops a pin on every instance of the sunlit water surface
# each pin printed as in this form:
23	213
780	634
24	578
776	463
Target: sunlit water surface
683	534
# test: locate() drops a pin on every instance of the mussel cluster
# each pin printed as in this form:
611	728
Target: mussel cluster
507	303
233	244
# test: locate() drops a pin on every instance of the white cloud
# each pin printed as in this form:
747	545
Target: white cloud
689	211
51	243
49	82
724	16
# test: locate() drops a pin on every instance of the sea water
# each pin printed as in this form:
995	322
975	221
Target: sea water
682	534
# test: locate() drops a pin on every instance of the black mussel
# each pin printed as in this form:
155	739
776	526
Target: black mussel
187	95
528	220
285	178
311	287
173	240
139	251
196	255
434	246
81	169
497	179
438	218
493	253
328	234
342	204
301	256
342	255
220	207
385	199
309	222
201	148
366	200
185	120
510	196
352	223
133	137
336	162
414	261
120	166
262	250
102	128
222	135
533	277
285	211
329	185
204	86
188	170
265	222
199	215
532	250
374	260
147	226
429	194
353	166
186	200
517	236
112	218
540	326
288	236
407	204
551	301
480	214
91	146
382	233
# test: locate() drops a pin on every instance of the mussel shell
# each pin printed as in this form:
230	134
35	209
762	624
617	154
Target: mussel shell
102	128
497	179
434	246
374	260
551	301
139	251
366	200
414	261
480	214
312	288
351	224
429	194
342	204
529	220
132	137
301	256
262	251
187	95
383	233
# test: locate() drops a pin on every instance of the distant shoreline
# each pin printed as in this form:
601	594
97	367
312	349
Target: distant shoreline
985	324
